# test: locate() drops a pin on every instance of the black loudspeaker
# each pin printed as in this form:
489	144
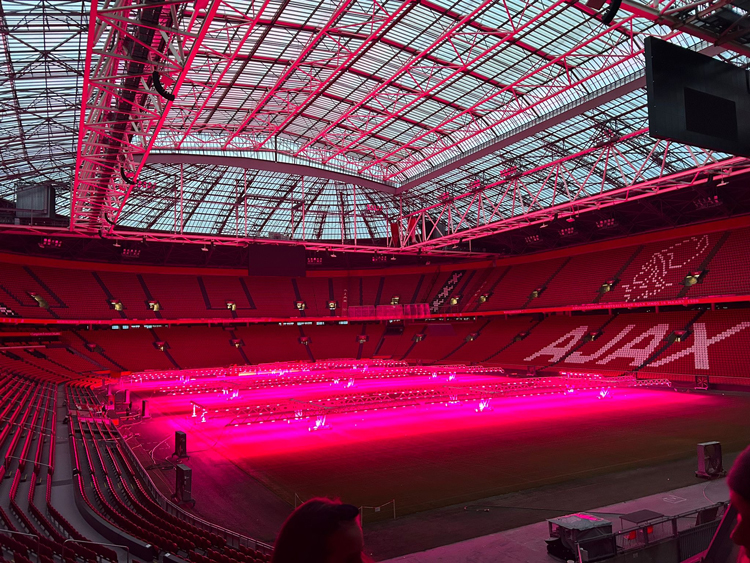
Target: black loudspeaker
180	444
122	399
144	409
710	465
183	483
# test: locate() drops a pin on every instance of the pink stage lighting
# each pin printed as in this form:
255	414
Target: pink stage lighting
320	423
484	405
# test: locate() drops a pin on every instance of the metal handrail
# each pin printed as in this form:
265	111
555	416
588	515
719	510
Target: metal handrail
35	536
73	540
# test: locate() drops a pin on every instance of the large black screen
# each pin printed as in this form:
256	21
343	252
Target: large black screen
276	260
697	100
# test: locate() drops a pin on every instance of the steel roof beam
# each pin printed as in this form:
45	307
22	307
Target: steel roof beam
553	190
120	114
337	15
323	94
551	88
378	95
582	105
187	157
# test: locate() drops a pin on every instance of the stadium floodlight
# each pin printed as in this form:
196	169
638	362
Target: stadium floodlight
536	293
606	223
693	277
41	301
50	243
567	231
607	286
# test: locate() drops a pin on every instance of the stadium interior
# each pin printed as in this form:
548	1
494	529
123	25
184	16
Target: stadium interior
480	269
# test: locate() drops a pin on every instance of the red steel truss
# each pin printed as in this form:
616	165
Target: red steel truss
122	111
159	76
562	188
690	17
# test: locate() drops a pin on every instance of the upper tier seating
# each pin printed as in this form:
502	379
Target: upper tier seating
658	270
582	276
654	271
728	270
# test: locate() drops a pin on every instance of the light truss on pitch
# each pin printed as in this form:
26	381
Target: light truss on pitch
452	392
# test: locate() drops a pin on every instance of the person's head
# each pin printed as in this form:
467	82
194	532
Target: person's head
739	493
320	531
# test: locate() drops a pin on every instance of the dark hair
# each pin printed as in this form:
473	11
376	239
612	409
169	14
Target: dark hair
739	476
303	537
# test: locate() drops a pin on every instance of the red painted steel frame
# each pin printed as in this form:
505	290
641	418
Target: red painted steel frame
315	86
477	213
121	115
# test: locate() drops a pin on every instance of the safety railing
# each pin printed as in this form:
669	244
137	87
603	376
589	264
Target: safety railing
233	539
696	525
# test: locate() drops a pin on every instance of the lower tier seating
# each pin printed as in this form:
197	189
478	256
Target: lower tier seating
33	527
681	344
